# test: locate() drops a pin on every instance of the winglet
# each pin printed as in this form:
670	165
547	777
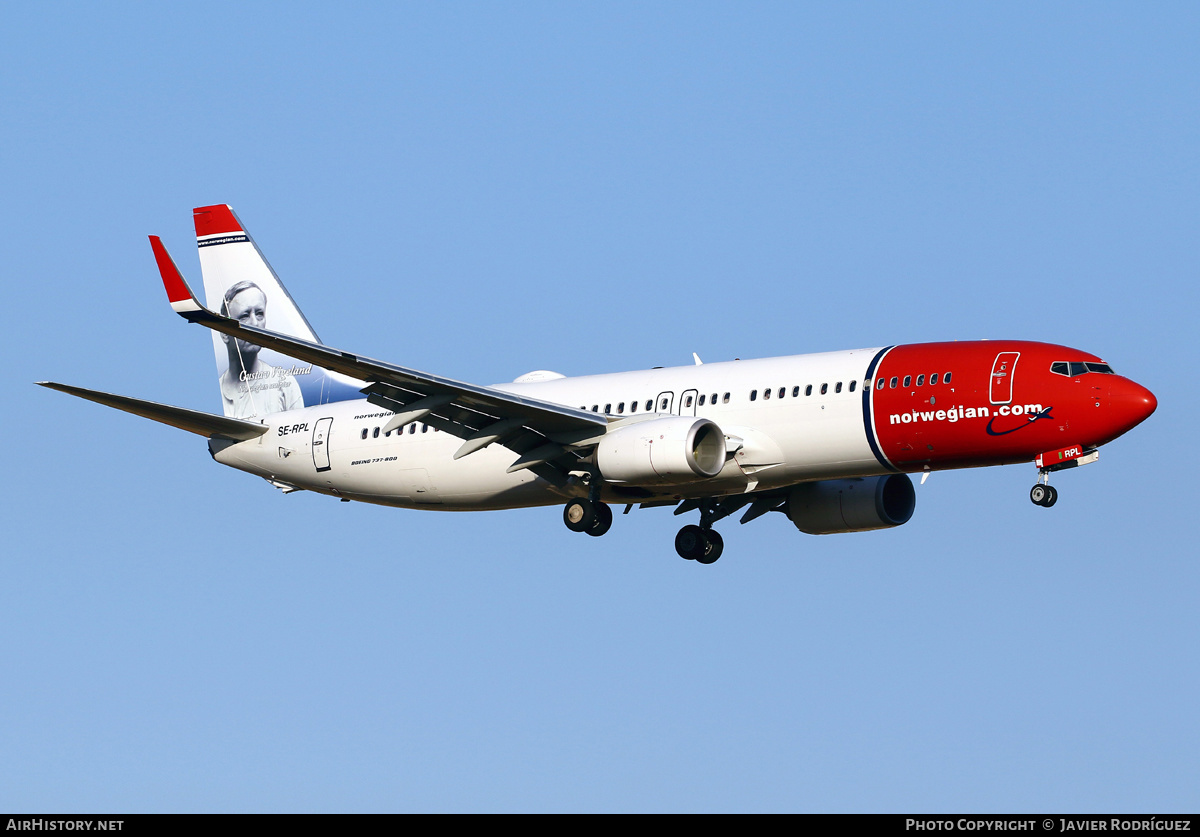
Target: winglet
178	293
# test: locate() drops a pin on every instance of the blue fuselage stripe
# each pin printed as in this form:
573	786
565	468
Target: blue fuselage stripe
868	425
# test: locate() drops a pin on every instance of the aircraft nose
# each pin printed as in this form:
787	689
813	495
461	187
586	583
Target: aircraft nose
1131	402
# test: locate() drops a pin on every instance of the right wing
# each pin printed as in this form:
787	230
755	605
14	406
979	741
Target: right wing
547	437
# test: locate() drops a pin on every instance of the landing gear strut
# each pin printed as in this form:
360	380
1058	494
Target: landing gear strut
583	515
1043	494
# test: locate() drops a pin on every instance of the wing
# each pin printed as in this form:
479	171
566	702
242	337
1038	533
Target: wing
193	421
547	438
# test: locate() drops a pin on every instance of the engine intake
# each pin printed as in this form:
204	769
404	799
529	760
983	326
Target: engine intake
662	451
827	507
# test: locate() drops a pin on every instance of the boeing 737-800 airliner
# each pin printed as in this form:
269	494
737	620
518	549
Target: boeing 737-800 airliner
828	439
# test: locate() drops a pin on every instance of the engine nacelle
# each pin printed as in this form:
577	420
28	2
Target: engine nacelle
662	451
854	505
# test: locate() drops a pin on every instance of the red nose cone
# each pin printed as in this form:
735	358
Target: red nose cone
1131	403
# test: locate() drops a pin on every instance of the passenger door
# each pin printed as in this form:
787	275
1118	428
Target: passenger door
1001	388
320	444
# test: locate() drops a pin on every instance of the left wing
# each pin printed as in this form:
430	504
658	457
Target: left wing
193	421
548	438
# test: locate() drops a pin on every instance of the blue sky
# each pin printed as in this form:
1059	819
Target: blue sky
480	190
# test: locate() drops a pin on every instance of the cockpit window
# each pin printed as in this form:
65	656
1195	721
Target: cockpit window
1073	368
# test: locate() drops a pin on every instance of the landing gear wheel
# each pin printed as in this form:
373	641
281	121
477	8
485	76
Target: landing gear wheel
690	543
604	518
580	515
1051	497
714	546
1037	494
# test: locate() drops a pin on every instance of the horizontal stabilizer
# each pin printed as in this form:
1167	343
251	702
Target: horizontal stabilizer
193	421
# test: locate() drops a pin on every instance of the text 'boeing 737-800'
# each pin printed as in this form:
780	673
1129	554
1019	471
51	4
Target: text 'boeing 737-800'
829	439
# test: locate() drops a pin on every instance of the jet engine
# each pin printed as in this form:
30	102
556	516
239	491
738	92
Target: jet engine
662	451
852	505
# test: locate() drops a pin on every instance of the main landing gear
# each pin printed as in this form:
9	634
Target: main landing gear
702	543
1043	494
591	516
696	544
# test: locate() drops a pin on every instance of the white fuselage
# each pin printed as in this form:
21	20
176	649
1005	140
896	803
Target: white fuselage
783	439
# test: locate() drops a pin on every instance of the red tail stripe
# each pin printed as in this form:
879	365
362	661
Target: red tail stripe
211	220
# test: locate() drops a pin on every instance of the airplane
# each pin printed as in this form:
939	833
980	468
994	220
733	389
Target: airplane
827	439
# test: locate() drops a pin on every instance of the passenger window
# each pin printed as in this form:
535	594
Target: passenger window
663	405
852	383
824	388
688	401
907	381
725	398
595	408
838	388
713	400
766	393
424	428
920	380
933	379
633	406
782	391
649	404
808	390
376	433
753	395
607	408
946	378
879	384
892	383
795	392
412	428
701	402
365	431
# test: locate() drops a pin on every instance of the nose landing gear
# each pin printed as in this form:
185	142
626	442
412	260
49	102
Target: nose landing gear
1043	495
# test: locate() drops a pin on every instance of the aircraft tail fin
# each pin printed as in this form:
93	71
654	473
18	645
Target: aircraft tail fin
239	283
229	260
